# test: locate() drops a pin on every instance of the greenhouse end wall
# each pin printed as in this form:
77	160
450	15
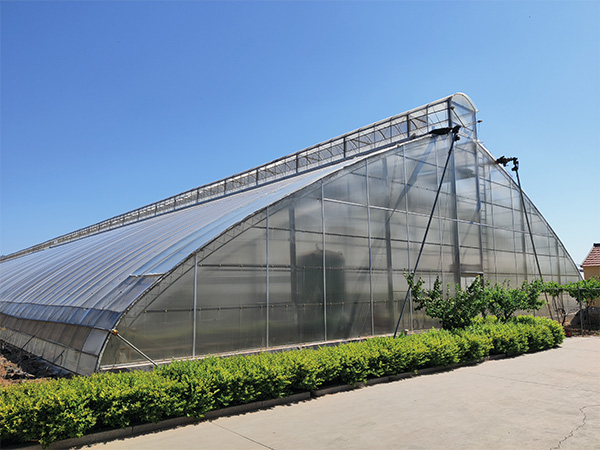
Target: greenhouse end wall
327	262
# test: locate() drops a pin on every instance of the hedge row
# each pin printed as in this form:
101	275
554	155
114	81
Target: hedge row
60	409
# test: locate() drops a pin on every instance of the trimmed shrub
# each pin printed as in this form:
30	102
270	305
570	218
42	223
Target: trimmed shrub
60	409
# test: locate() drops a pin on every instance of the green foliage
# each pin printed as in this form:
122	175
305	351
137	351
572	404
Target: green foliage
479	298
503	301
556	329
45	412
520	334
585	291
59	409
457	311
472	346
133	397
553	289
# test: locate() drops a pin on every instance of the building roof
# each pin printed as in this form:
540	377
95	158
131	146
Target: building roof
593	257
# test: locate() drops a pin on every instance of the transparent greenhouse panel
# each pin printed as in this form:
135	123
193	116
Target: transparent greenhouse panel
389	289
505	239
307	212
220	287
346	219
505	262
470	260
348	304
346	252
388	224
501	195
248	249
469	235
417	225
403	258
225	330
542	244
292	319
232	309
467	210
422	154
420	200
161	334
281	247
387	168
389	194
352	187
95	341
381	254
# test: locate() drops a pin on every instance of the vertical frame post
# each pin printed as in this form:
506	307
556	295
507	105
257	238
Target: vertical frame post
324	261
370	250
267	297
195	312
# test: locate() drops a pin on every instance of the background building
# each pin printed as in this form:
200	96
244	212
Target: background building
309	248
591	267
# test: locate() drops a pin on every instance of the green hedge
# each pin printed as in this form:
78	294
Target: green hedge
60	409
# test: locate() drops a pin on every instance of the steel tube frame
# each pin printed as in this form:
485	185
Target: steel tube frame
537	261
370	250
267	297
324	261
453	135
195	305
116	333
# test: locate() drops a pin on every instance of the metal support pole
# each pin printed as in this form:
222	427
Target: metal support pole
59	355
195	305
454	136
114	332
580	309
324	261
23	348
537	261
503	160
371	300
267	299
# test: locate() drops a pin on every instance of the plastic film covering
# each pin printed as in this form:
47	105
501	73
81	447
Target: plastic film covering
64	300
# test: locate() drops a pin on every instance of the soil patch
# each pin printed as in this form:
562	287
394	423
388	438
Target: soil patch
17	366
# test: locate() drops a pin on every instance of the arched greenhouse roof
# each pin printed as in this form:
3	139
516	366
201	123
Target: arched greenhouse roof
90	276
91	281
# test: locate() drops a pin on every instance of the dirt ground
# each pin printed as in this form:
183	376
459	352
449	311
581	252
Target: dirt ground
17	366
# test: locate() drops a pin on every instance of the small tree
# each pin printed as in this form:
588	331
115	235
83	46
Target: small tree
504	301
585	291
479	298
456	311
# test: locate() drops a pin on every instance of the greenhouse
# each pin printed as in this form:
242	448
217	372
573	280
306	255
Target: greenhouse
308	249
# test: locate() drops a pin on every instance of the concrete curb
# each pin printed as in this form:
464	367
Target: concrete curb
122	433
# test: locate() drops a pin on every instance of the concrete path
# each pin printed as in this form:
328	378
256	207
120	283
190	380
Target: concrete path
547	400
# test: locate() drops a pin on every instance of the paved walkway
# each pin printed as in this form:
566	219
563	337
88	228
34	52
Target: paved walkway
547	400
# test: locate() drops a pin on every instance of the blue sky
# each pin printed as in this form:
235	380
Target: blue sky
108	106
